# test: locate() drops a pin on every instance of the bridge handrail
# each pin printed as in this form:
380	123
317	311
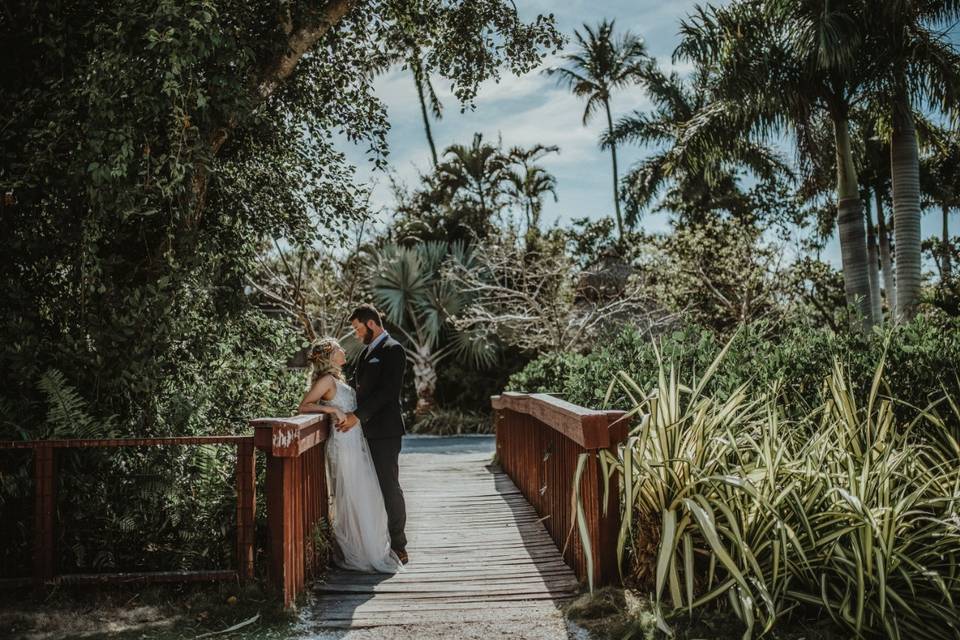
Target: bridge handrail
590	428
542	442
296	501
44	513
108	443
296	495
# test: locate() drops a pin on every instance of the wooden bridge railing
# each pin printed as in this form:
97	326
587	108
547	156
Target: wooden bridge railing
296	495
539	442
45	498
296	500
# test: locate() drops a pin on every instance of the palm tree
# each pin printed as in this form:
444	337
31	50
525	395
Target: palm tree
873	259
602	64
475	173
778	64
425	94
876	180
940	176
408	284
529	183
696	180
918	63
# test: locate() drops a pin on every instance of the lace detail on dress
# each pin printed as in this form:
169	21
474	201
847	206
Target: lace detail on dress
344	399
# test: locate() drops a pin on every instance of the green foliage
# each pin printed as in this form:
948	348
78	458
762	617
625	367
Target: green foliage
849	507
151	509
322	543
697	184
156	151
147	509
587	239
67	416
452	422
923	360
719	273
559	373
410	286
462	386
466	194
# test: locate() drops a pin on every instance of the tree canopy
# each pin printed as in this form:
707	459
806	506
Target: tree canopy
155	148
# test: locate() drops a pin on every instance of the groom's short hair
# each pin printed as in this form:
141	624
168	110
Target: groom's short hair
366	312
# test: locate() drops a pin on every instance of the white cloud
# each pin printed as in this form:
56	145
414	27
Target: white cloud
532	109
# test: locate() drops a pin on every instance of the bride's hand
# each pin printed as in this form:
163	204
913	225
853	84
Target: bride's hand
341	417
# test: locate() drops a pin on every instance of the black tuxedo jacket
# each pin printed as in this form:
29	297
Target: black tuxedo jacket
378	379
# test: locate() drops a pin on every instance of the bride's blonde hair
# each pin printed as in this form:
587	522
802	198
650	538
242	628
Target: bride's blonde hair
321	358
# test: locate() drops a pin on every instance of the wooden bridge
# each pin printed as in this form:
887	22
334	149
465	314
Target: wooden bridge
487	538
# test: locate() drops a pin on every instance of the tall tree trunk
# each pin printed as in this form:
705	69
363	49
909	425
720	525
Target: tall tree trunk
886	263
853	242
946	267
873	272
616	180
418	80
424	381
483	201
905	172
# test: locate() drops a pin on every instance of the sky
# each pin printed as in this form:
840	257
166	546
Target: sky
533	109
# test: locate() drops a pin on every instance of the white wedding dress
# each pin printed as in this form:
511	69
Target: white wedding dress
357	512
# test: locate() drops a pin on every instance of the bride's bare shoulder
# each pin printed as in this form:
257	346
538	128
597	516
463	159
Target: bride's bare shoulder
326	385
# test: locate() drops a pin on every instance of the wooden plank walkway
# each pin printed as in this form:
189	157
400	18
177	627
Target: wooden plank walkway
478	554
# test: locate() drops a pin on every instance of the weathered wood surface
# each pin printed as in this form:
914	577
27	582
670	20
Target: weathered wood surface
540	441
589	428
478	553
296	496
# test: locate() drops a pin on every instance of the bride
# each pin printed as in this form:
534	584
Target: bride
357	510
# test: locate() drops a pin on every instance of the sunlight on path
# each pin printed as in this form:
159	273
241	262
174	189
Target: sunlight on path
481	566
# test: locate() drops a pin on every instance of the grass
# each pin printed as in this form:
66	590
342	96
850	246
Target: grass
167	612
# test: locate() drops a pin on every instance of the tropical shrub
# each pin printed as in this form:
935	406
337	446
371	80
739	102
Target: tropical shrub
850	508
451	422
167	508
923	361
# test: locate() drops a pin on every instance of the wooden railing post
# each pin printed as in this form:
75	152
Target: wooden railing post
610	517
246	508
45	491
289	518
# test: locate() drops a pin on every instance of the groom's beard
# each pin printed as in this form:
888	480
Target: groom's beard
367	336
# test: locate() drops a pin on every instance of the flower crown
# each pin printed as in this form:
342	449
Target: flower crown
321	351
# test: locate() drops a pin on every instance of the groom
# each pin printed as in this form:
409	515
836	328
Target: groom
378	380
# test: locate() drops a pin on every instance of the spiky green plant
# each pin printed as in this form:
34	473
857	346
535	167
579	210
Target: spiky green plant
846	509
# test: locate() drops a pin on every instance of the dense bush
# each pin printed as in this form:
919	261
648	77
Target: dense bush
923	359
467	388
849	508
147	509
452	422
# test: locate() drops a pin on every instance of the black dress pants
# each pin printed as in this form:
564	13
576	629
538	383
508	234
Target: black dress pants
386	461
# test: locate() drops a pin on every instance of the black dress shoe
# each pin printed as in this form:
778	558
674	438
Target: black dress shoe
402	556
